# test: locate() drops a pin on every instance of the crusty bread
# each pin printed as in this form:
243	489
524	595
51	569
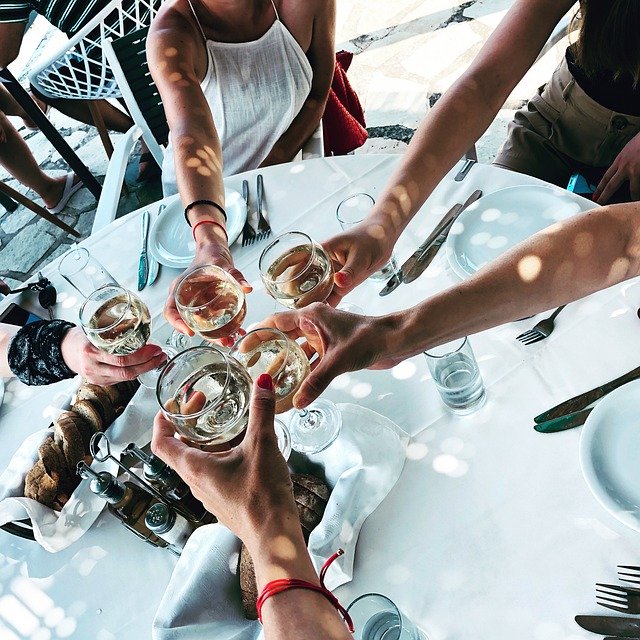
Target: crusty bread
99	398
68	438
40	486
311	496
89	412
53	458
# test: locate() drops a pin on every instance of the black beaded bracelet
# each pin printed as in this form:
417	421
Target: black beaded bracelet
195	203
34	353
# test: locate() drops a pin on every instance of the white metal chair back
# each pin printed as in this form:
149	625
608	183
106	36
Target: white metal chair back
79	69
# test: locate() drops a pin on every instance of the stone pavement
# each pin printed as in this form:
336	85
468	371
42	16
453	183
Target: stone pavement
407	53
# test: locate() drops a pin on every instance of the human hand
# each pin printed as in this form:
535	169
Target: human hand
356	254
625	167
100	367
216	253
343	341
248	487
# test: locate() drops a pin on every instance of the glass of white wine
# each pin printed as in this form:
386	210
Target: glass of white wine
296	270
211	302
205	394
115	320
267	350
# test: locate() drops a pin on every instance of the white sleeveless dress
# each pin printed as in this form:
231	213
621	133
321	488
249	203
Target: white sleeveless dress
255	90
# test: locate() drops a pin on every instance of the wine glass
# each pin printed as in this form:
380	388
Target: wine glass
115	320
205	394
211	302
267	350
296	270
352	211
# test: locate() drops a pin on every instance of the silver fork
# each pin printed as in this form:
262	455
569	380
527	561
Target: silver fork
618	598
629	573
542	330
263	225
248	232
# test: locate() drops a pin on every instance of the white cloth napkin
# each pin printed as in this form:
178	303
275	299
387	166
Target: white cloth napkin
54	530
202	599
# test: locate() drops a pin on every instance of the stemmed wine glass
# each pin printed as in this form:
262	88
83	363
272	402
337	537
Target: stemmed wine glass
268	350
211	302
296	271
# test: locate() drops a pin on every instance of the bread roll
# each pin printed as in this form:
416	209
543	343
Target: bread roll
89	412
99	398
311	496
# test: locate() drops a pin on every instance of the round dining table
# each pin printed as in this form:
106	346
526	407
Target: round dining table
490	532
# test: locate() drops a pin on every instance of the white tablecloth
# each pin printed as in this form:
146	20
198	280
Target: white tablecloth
490	532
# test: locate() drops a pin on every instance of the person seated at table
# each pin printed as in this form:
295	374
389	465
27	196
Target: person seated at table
46	351
70	16
17	159
565	262
244	84
249	489
563	128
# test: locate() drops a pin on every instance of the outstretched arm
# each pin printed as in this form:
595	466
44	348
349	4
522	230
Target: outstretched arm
562	263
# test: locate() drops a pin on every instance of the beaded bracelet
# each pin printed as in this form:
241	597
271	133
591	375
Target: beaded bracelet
34	353
195	203
283	584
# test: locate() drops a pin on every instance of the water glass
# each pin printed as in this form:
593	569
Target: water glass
83	272
376	617
457	376
353	210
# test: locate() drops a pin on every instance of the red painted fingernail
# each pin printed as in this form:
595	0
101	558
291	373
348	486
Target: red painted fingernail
265	382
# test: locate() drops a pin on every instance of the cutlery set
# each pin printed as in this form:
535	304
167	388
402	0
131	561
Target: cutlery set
249	234
618	598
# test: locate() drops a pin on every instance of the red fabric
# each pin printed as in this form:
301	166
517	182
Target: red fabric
343	120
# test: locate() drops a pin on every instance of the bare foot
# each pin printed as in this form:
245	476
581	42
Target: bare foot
56	191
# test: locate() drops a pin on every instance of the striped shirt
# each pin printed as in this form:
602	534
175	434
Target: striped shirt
67	15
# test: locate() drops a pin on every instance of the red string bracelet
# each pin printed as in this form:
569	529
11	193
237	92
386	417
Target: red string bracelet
218	224
278	586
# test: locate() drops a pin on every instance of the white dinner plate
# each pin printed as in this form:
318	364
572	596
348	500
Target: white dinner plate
499	220
170	239
610	451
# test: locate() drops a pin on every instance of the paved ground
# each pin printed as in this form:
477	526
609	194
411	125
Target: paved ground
408	52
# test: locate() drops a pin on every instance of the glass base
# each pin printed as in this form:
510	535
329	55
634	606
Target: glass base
387	271
313	429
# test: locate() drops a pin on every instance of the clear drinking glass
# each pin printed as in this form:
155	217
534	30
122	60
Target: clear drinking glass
352	211
83	272
211	302
205	394
376	617
115	320
296	270
270	351
457	376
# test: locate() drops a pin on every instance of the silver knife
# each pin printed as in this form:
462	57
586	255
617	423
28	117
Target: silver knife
612	625
143	264
398	278
154	265
427	258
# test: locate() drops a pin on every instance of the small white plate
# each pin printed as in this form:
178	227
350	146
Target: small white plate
498	221
610	451
170	239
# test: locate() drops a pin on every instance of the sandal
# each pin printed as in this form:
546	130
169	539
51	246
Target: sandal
70	187
151	170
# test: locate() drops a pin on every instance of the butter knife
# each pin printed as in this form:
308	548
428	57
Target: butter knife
568	421
588	397
427	258
154	265
612	625
446	222
143	264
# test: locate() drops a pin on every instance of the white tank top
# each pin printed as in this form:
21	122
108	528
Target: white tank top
254	90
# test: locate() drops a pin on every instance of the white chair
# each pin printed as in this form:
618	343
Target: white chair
79	70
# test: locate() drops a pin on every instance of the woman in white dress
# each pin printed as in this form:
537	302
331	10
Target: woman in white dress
244	84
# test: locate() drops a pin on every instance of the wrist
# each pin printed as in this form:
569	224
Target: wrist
405	335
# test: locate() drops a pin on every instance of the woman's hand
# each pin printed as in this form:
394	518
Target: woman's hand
343	341
248	488
356	254
100	367
217	253
626	167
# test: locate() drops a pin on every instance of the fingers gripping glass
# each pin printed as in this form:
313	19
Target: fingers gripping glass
211	303
271	351
296	271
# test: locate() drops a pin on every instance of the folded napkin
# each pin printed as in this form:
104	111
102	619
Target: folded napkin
55	530
202	599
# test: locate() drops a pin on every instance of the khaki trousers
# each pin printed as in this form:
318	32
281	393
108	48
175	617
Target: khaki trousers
562	130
